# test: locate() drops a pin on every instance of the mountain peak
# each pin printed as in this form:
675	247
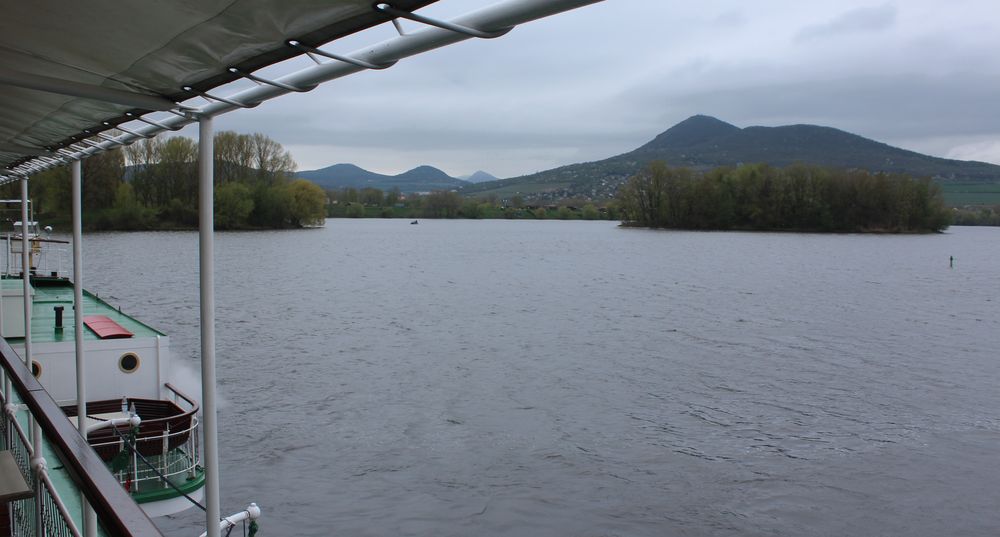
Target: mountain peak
419	179
691	132
480	177
425	172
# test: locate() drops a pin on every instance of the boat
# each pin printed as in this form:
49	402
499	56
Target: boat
138	421
80	79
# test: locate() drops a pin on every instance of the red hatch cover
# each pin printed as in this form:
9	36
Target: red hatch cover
105	328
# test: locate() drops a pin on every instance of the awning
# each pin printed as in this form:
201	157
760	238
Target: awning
71	70
148	48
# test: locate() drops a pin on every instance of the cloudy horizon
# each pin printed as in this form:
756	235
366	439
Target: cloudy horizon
604	79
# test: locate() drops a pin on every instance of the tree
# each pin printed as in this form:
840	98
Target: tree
234	157
643	197
393	196
127	213
442	204
273	163
355	210
272	206
101	175
143	157
233	205
471	208
371	196
177	176
308	202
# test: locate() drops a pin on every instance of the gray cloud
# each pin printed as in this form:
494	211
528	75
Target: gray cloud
607	78
860	20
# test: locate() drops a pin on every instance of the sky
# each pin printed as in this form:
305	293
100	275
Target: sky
604	79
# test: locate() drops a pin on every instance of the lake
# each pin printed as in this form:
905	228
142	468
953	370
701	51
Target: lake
522	378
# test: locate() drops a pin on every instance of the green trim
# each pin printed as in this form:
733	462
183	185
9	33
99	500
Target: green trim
169	493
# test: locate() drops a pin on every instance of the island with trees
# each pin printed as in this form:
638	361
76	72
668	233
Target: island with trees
759	197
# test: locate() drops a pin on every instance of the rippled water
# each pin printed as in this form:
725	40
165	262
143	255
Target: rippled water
507	378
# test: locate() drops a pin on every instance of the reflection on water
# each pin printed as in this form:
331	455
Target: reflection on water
573	378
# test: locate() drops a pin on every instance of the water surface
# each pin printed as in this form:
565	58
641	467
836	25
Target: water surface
521	378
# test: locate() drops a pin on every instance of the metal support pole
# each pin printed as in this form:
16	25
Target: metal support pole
89	517
38	462
206	225
26	270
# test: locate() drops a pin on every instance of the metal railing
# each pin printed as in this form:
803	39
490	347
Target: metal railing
46	509
45	514
182	458
55	518
45	256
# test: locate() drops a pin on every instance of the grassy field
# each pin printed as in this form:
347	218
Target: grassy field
962	194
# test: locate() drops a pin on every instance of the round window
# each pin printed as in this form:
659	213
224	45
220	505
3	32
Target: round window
129	362
36	369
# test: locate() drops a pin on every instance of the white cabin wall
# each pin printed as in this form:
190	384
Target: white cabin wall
105	380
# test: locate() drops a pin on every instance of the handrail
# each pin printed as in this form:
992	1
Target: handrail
115	509
67	518
157	438
182	395
8	408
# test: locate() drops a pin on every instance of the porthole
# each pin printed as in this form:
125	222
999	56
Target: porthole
129	362
36	369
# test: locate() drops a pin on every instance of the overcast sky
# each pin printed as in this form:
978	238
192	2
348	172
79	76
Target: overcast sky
601	80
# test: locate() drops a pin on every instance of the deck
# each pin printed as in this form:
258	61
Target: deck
50	293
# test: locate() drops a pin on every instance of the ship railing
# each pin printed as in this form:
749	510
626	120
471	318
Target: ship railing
47	257
172	454
24	514
29	411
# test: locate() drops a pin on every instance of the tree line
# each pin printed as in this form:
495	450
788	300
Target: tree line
799	197
976	216
153	184
372	202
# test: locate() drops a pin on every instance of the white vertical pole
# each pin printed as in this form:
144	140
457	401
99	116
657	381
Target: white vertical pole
26	271
38	462
89	517
206	225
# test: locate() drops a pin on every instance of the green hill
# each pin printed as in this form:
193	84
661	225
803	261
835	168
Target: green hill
703	142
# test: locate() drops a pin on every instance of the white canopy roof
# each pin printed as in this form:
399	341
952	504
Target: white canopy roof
70	70
146	48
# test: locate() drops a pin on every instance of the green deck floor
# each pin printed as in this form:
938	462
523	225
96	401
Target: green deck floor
43	317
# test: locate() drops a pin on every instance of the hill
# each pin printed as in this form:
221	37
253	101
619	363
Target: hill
480	177
419	179
704	142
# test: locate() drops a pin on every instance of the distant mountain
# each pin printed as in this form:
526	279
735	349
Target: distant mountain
480	177
703	142
419	179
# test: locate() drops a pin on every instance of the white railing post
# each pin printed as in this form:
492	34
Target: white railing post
206	251
163	455
36	429
89	517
